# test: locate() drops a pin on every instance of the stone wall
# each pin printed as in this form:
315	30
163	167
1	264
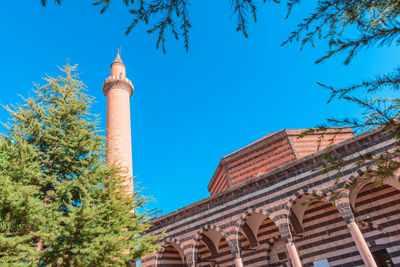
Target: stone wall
264	222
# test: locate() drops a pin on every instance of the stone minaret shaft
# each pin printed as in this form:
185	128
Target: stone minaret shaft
118	89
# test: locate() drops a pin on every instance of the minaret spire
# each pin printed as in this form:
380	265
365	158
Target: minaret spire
118	67
118	89
118	58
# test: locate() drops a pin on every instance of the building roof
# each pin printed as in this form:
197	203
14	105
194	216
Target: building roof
118	58
347	144
272	151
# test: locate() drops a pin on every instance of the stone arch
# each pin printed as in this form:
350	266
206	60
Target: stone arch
171	254
320	224
210	227
213	245
243	220
293	199
363	181
296	207
257	234
357	176
360	172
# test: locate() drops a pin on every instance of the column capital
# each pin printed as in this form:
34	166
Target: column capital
344	208
285	232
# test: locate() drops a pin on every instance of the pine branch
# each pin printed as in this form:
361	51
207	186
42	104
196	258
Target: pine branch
383	36
243	10
375	20
172	15
44	2
185	25
323	12
389	81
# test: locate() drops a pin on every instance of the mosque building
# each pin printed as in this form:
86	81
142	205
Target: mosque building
260	212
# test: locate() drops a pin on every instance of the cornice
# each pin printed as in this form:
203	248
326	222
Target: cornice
265	177
122	83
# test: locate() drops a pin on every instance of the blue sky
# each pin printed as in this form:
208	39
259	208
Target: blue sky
188	109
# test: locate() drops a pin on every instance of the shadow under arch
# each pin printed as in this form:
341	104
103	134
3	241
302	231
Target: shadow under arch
213	247
363	179
260	241
171	255
297	205
317	226
249	223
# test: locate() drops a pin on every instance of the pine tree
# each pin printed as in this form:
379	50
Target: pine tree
60	204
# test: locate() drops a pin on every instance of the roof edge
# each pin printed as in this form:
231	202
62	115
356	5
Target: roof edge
266	175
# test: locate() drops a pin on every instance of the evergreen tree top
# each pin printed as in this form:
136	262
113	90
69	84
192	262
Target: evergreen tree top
61	205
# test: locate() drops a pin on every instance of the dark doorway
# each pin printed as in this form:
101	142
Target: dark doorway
382	258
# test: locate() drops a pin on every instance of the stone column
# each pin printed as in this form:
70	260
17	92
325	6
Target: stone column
345	211
235	250
293	254
238	262
290	247
361	244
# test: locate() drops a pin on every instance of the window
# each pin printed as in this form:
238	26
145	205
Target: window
282	256
321	263
382	258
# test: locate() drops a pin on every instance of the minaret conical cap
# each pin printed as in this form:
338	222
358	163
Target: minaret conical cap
118	58
117	67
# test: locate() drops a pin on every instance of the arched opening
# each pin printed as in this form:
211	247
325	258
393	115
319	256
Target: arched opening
213	250
171	255
261	243
321	234
377	212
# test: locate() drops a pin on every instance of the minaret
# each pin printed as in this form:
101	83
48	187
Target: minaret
118	89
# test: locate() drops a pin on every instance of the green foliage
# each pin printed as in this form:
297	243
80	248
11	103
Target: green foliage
57	193
375	20
383	114
377	24
172	17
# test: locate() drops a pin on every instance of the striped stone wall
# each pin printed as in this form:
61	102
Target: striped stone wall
326	236
170	257
254	224
219	182
311	143
378	210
